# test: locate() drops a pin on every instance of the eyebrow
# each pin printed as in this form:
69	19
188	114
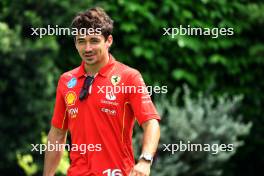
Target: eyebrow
80	39
94	38
91	39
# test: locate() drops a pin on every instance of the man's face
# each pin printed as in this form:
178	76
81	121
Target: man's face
93	48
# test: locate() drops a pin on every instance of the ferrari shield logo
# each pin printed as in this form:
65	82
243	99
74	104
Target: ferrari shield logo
115	79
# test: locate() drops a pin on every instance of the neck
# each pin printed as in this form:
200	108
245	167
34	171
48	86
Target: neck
93	69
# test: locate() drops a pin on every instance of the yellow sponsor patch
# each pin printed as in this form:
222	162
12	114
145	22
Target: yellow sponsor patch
70	98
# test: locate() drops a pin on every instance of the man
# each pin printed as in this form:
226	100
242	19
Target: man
97	116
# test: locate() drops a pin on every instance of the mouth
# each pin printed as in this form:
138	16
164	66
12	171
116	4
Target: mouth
89	55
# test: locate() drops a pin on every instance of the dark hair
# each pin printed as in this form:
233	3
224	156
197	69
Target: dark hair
94	18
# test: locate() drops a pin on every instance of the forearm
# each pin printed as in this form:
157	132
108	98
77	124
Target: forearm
151	136
150	144
52	158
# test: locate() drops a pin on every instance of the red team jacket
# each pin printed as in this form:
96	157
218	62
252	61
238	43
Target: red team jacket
101	126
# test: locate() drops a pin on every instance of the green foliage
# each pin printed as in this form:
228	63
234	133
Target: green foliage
30	167
27	87
26	163
29	66
202	120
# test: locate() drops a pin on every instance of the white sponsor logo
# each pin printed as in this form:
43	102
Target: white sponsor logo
73	112
108	111
109	102
110	96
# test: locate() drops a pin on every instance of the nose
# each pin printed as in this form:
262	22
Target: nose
88	47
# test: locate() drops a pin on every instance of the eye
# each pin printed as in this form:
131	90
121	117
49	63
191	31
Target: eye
80	41
94	41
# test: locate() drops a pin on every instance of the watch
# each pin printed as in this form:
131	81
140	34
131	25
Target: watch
147	157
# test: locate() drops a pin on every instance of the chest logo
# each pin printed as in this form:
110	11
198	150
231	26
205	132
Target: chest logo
115	79
70	98
110	96
72	83
73	112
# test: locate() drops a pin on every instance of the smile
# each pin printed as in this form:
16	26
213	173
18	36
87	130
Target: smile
89	55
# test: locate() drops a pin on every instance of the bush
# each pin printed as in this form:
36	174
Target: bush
203	120
27	90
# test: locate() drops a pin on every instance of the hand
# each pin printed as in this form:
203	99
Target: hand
142	168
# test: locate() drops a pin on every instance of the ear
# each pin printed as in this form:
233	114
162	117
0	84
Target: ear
109	41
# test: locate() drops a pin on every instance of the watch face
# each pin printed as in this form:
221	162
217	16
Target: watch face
147	157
